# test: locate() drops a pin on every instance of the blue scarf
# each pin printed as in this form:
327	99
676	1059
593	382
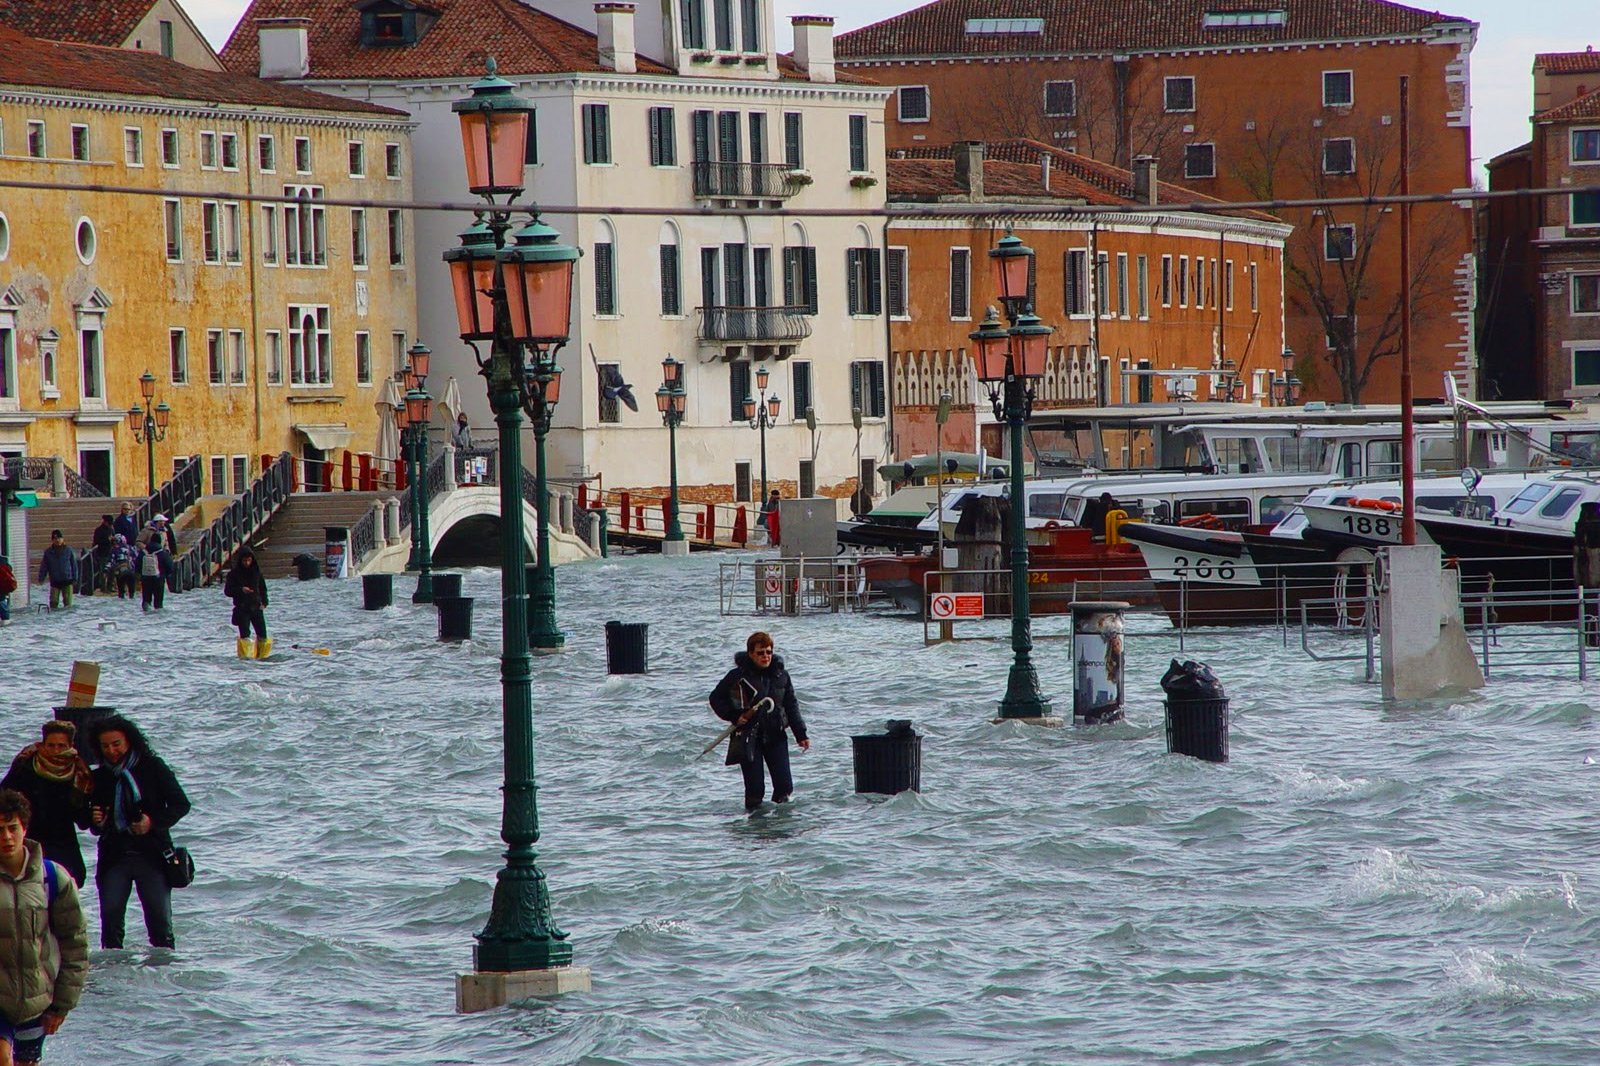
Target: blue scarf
125	795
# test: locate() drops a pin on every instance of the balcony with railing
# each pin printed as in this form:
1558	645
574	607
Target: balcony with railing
754	325
746	181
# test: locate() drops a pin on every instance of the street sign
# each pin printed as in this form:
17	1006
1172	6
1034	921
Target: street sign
947	606
773	584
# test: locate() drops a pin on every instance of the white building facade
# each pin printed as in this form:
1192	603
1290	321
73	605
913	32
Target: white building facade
694	162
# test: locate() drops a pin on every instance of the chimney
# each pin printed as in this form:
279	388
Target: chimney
1144	180
969	168
284	49
614	28
813	45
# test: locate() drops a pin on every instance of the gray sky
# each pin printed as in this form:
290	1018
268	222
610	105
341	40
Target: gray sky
1502	86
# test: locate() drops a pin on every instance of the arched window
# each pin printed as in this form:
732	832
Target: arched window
605	269
669	261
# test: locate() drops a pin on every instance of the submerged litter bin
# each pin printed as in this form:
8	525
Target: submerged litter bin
455	617
445	586
307	567
889	763
627	647
1196	712
85	719
377	591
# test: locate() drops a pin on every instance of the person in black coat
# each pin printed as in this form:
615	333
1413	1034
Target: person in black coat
136	802
758	697
57	783
247	588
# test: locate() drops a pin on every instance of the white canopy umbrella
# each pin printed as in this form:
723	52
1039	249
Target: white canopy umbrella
388	431
450	404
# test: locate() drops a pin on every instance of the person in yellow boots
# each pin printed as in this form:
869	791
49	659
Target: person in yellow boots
247	588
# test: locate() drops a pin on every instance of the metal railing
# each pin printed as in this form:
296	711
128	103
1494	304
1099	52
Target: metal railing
363	538
176	496
477	466
790	586
433	484
642	515
749	181
789	324
78	487
30	467
242	520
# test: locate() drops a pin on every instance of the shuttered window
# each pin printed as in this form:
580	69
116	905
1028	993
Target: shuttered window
671	298
800	278
663	138
960	283
1075	270
800	372
858	142
738	389
864	281
709	280
793	140
898	281
700	123
596	133
866	388
605	279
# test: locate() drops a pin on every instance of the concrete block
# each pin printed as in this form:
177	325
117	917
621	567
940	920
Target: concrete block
1424	646
485	991
675	547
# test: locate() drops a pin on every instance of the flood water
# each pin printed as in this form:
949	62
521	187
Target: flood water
1361	883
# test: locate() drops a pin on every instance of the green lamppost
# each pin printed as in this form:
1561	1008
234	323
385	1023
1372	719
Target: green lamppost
408	455
761	414
149	425
1009	361
671	399
419	413
518	299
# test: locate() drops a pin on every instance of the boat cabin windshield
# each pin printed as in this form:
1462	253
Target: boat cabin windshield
1528	498
1234	455
1297	455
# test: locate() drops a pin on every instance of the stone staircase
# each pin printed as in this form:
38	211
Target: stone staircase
75	516
298	527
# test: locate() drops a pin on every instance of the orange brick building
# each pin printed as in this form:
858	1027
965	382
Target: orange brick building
1270	100
1125	291
1541	260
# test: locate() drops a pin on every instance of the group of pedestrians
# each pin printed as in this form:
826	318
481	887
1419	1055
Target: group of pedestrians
129	802
121	561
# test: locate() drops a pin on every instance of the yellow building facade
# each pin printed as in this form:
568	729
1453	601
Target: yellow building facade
128	244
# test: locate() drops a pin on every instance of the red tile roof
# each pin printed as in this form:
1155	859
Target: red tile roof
1079	26
34	63
1017	168
107	22
1569	62
522	41
1584	109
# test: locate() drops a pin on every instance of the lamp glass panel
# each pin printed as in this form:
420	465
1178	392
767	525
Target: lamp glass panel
749	409
663	399
772	407
411	379
471	280
416	409
1032	347
552	388
494	144
680	399
1011	276
135	418
762	375
671	371
420	357
991	357
402	418
539	296
163	415
147	384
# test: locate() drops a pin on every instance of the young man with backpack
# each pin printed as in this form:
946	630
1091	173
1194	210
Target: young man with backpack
155	566
41	921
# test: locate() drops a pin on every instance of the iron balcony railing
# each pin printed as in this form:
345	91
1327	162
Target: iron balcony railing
30	468
771	325
242	520
746	181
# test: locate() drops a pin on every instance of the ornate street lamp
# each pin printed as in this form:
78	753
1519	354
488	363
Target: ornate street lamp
671	399
419	413
149	425
1287	388
761	413
517	298
1009	361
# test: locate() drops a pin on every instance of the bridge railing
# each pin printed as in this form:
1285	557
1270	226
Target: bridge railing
630	513
243	519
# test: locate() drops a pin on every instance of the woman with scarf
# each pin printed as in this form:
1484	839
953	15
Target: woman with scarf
136	801
758	698
57	783
247	588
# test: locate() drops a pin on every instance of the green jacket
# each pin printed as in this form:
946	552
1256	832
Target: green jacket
44	952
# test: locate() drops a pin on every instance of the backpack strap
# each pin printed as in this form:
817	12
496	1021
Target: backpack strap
51	879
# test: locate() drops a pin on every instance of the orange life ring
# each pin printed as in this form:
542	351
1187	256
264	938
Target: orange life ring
1378	505
1202	521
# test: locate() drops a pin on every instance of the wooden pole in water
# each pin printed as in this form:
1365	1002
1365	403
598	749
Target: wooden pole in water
1408	436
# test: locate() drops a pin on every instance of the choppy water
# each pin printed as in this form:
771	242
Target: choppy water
1362	883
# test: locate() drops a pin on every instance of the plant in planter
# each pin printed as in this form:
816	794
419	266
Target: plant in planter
863	181
798	177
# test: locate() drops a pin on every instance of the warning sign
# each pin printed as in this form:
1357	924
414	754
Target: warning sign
946	606
773	584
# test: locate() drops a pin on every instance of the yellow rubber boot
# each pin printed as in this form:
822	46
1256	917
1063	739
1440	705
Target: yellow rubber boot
247	648
263	647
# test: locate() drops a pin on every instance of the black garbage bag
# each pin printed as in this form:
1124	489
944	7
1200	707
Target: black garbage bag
1190	680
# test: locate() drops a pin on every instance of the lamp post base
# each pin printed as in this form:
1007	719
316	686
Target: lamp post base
485	991
675	547
547	643
1048	720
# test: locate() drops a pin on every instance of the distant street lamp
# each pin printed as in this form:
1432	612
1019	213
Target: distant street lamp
419	413
671	399
1286	389
1009	362
761	414
149	425
518	298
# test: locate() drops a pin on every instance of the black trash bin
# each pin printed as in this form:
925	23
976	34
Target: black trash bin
1196	712
455	617
85	718
446	586
377	591
307	567
627	647
889	763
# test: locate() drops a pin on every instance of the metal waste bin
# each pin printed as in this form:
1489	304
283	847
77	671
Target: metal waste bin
1097	658
85	718
307	567
377	591
335	551
627	647
446	585
455	617
888	763
1198	728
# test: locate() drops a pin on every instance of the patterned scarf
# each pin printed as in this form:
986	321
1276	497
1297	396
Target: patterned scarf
67	766
125	793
